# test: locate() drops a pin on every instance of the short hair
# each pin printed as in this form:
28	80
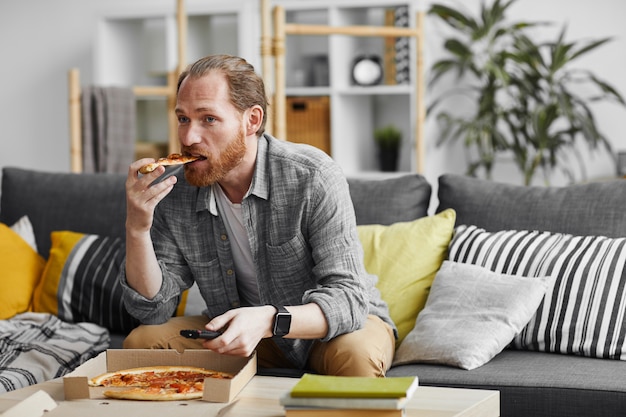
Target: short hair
246	87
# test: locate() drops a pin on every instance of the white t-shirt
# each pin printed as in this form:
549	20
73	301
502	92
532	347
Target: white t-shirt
245	270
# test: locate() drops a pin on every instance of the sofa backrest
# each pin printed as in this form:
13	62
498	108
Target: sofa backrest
387	200
86	203
592	209
96	203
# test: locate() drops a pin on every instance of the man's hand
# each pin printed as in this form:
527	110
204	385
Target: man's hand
142	269
141	198
245	327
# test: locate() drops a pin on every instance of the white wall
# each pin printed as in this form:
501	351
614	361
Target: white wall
41	39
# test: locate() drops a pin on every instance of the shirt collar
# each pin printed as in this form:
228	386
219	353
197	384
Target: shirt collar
259	187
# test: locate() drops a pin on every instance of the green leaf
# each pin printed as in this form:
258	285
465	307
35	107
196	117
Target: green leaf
453	17
589	47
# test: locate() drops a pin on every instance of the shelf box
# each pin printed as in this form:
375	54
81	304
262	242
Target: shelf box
308	121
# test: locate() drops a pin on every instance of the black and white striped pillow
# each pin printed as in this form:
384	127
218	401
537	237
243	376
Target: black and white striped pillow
89	289
585	312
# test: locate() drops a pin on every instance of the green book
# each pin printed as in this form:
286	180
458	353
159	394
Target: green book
312	385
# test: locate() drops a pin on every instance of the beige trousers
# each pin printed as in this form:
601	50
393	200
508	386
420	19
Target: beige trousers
365	352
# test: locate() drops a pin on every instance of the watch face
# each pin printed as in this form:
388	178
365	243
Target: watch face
282	322
367	71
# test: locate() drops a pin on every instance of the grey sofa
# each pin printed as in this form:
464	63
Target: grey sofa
531	383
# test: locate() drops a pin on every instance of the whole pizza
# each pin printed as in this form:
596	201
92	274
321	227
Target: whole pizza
157	383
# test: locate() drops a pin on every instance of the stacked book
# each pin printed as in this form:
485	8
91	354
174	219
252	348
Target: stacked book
346	396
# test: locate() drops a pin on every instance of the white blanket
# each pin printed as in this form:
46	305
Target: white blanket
36	347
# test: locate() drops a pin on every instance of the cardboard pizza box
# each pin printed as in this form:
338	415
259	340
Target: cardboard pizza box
75	385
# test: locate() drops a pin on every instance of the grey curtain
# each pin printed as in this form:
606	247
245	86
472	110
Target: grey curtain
108	129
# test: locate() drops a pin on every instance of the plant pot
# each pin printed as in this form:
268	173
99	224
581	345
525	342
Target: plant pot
388	159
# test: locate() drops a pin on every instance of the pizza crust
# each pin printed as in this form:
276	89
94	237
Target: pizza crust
145	394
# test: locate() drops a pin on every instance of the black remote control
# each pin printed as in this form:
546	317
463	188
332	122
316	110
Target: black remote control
199	334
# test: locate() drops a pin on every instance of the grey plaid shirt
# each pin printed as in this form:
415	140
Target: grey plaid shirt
302	232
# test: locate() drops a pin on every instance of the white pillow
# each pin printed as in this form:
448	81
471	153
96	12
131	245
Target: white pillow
470	316
194	304
24	228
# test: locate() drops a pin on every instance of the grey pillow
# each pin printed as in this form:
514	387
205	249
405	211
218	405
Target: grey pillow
594	209
470	316
390	200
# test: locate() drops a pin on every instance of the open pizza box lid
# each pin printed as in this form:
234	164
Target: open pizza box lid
75	384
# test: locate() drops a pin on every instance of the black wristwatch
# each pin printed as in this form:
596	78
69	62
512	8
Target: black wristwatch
282	321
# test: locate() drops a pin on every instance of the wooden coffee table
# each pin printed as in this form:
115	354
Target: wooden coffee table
258	399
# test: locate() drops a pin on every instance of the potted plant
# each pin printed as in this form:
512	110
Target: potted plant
388	140
525	94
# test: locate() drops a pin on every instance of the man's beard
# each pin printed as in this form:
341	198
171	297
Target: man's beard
218	168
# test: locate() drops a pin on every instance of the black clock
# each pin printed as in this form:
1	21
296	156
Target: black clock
367	70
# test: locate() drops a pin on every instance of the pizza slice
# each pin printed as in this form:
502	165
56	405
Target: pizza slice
171	159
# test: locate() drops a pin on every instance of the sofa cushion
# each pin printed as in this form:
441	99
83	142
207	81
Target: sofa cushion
594	209
470	316
406	256
386	200
21	268
583	313
537	384
87	203
79	282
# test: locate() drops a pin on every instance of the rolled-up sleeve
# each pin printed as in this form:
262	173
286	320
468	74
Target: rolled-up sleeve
342	286
151	311
175	279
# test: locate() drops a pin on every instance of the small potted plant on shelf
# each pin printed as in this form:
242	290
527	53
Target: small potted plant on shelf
388	140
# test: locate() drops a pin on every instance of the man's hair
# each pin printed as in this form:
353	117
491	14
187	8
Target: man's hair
245	85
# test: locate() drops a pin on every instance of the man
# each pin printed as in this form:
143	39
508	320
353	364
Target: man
264	227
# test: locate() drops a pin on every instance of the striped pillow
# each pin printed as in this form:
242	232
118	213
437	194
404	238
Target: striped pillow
584	314
79	282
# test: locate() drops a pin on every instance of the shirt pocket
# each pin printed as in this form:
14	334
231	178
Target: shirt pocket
290	267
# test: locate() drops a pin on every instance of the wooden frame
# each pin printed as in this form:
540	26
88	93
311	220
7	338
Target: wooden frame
276	48
168	91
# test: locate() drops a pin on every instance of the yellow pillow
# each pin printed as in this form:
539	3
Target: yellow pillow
21	268
406	256
45	298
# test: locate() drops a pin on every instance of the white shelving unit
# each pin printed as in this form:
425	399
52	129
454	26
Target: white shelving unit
356	111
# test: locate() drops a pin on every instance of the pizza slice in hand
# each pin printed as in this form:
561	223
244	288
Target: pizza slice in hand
172	159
